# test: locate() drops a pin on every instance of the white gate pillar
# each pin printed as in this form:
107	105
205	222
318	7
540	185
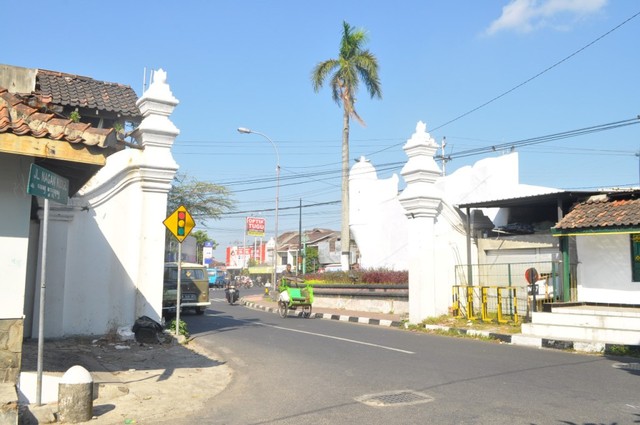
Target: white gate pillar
156	134
422	202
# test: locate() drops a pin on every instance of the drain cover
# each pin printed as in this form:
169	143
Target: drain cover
394	398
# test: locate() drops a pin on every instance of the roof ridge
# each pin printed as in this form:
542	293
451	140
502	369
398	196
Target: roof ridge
81	77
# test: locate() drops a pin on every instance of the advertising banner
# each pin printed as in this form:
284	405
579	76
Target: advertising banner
238	257
256	226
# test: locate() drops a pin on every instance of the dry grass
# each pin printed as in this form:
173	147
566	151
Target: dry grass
462	323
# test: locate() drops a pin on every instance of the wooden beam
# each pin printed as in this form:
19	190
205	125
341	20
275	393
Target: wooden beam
54	149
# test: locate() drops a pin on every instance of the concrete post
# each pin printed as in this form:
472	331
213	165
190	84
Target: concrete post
422	202
75	396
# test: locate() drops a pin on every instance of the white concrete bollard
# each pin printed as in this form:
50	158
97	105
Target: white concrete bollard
75	396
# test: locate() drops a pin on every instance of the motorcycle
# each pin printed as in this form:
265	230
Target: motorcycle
232	294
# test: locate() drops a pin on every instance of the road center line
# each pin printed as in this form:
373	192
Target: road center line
331	337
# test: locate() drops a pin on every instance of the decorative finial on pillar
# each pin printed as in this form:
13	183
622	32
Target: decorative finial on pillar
156	105
420	197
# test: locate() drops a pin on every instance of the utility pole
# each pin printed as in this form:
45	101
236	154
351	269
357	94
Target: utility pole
299	259
443	158
638	155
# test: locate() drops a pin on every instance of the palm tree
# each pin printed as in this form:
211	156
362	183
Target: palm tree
353	65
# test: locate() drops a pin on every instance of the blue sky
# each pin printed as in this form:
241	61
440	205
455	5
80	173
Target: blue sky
247	64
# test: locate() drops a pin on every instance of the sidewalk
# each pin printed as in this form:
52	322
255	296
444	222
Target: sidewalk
133	383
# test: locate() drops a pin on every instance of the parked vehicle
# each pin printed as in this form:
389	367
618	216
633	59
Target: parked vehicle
232	293
216	278
194	288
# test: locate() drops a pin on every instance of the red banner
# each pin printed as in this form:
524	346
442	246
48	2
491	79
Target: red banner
256	226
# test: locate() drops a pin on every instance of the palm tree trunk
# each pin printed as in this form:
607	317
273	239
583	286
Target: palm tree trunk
345	237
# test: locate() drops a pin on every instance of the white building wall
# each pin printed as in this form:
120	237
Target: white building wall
377	219
389	228
15	206
604	270
106	254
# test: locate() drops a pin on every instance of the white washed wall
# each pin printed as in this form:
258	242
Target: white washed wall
604	270
376	218
106	254
15	206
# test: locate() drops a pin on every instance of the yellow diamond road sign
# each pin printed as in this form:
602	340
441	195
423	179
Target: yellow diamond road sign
180	223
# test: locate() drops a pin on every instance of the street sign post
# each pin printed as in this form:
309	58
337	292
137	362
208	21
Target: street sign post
50	186
179	223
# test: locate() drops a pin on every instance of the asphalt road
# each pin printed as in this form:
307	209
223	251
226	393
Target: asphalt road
303	371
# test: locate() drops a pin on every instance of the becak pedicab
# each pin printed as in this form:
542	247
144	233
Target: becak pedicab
294	294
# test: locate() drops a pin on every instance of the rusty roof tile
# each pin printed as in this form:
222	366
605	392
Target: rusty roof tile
611	211
20	119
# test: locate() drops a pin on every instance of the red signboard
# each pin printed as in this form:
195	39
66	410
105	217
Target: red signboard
256	226
238	256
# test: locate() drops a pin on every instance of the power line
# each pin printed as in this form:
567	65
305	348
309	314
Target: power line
297	207
524	82
294	180
549	138
539	73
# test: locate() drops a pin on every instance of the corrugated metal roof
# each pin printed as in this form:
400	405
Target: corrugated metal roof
565	197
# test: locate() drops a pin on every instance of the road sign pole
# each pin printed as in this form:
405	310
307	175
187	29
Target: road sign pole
50	186
179	288
43	269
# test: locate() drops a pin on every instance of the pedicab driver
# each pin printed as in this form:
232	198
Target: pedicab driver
288	276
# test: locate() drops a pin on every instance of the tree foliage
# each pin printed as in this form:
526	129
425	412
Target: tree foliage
203	200
354	65
201	238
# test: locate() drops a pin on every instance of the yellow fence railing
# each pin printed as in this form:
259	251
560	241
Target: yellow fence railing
495	303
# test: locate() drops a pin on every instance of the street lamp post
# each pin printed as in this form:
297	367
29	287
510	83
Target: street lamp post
275	247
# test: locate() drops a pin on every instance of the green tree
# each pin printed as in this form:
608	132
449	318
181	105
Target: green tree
203	200
354	65
201	238
311	259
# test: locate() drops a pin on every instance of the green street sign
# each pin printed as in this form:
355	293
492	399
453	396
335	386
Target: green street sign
46	184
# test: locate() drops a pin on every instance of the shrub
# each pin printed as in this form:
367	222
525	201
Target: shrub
366	276
182	327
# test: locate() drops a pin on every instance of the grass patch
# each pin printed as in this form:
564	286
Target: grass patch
479	325
623	350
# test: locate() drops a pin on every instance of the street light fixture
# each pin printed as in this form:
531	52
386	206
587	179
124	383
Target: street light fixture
275	247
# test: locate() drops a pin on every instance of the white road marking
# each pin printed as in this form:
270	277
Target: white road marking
317	334
331	337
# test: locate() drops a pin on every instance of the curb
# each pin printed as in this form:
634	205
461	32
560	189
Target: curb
506	338
328	316
513	339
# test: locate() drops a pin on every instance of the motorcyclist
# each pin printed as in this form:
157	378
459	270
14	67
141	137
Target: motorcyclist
232	292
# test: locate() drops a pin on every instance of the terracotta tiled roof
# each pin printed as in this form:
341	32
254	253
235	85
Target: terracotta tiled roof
21	119
75	90
608	211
